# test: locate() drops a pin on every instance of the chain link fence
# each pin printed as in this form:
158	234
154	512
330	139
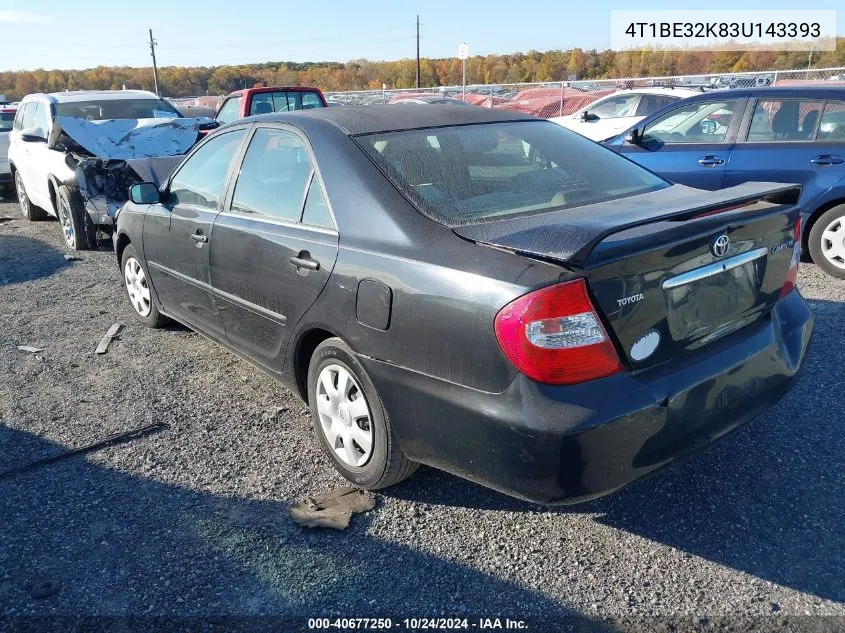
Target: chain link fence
551	99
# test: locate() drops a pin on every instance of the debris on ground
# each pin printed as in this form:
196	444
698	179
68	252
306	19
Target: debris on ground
5	218
30	349
73	258
332	509
103	347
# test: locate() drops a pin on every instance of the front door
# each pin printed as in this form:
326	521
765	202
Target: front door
274	246
691	144
178	233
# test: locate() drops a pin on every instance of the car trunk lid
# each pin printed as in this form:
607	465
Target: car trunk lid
668	271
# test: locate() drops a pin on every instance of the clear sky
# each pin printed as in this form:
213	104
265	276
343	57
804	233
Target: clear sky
82	34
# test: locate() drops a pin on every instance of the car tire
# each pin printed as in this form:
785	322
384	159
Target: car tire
339	421
827	241
79	232
28	210
138	290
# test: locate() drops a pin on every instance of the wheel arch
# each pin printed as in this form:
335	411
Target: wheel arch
306	343
121	242
53	185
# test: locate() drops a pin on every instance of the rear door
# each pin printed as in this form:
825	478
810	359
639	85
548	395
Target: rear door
790	141
690	144
178	232
274	246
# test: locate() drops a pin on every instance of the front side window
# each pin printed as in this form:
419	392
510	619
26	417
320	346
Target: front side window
832	124
102	109
615	107
42	118
275	173
473	173
21	114
700	122
28	120
229	111
201	178
784	120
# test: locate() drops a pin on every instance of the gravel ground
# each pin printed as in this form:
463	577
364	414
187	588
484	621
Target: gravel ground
192	521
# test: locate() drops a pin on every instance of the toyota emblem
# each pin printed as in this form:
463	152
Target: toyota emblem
721	245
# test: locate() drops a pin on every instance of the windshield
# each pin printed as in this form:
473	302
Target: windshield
468	174
6	121
97	110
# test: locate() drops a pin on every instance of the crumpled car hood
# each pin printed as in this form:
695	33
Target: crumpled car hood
129	138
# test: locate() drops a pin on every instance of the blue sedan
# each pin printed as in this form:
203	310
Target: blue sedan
781	134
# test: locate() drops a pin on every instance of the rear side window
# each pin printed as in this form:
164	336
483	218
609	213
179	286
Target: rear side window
201	178
780	120
274	176
468	174
229	110
700	122
649	104
832	124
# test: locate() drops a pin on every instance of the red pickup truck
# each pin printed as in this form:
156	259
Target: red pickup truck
267	100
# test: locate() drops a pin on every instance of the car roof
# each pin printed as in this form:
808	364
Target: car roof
92	95
807	92
659	90
261	89
373	119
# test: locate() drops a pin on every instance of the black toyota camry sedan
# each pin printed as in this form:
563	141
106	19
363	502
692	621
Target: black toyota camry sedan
476	290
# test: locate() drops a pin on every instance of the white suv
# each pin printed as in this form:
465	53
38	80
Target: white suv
43	157
606	117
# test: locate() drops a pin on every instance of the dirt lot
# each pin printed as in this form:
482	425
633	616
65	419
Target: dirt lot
193	520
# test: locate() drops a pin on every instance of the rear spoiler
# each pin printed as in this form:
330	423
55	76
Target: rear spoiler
569	235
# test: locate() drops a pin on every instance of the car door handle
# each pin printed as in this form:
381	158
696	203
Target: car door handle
200	238
826	159
710	161
304	261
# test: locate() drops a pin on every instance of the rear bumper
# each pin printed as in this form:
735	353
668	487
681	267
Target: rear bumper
572	443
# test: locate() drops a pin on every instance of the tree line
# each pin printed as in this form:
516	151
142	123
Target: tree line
362	74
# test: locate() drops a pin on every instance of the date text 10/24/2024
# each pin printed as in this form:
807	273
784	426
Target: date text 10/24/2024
417	624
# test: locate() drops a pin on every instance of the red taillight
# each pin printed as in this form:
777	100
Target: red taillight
553	335
792	273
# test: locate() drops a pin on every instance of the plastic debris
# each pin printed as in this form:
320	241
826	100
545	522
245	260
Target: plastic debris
103	347
30	349
332	509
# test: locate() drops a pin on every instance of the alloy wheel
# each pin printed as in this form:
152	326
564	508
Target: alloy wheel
23	200
66	221
344	415
136	287
833	242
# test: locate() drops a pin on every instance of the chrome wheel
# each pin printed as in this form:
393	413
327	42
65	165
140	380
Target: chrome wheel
833	242
66	221
136	286
23	200
344	415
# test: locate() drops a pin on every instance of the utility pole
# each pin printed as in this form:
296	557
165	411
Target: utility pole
418	50
155	68
810	61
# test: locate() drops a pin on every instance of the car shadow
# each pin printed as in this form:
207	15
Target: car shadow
768	500
119	544
26	259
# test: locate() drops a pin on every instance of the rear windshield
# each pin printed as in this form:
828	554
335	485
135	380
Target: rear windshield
118	109
469	174
284	101
6	120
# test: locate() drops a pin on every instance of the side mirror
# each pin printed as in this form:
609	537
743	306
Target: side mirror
206	123
33	135
144	193
634	136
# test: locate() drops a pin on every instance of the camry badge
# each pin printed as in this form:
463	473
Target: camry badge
720	246
644	346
